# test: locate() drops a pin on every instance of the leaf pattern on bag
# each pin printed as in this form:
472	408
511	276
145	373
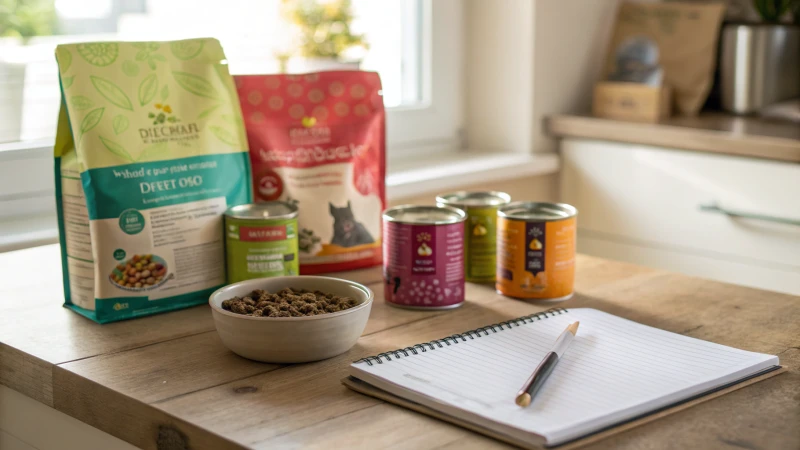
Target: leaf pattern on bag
146	53
111	92
120	124
151	61
164	92
153	152
148	89
64	58
207	112
224	135
235	121
130	68
99	54
79	102
186	49
196	85
116	149
66	82
91	120
225	78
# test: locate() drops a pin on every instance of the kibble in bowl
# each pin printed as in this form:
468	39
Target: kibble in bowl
288	302
301	319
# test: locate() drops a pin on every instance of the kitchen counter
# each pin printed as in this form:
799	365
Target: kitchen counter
167	382
710	132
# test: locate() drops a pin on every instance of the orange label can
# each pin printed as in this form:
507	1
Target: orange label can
536	250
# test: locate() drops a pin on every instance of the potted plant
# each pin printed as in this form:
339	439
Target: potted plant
760	61
324	39
20	20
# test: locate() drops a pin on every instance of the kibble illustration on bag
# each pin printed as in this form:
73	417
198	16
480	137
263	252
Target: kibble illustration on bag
150	152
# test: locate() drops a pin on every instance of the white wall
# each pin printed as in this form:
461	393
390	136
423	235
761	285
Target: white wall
499	70
570	39
527	59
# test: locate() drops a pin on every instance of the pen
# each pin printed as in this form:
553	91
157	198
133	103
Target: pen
537	378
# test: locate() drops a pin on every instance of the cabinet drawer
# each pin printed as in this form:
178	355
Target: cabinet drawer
758	276
655	195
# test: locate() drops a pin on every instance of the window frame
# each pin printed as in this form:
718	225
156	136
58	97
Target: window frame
23	167
432	126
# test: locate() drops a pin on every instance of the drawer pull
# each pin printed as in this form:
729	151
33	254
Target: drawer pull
713	207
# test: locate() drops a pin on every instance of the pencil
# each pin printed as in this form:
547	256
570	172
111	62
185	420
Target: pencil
542	371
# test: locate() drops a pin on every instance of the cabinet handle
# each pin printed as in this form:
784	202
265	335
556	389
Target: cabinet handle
714	207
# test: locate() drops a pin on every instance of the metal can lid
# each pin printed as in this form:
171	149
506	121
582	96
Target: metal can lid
541	211
267	210
480	198
424	215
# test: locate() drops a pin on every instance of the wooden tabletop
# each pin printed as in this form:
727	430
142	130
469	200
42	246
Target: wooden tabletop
167	382
710	132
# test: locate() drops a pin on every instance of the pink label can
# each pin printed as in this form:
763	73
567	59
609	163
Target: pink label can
423	257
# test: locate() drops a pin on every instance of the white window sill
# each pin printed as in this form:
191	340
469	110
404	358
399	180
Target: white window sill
442	172
32	231
418	176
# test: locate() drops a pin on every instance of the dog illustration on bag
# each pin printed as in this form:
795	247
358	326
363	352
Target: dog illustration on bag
347	232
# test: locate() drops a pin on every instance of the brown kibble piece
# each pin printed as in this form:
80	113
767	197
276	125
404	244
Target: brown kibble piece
307	308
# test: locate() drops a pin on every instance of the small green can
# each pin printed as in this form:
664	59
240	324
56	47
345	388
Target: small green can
261	241
480	233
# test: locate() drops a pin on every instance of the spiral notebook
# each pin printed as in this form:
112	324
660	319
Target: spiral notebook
615	372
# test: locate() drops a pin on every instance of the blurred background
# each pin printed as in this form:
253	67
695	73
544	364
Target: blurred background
673	126
265	36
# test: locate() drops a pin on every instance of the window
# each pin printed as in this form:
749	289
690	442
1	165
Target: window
413	44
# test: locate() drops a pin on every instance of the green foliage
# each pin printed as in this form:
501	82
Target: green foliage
324	27
27	18
771	11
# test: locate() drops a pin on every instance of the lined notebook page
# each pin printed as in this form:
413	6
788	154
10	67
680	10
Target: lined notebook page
614	370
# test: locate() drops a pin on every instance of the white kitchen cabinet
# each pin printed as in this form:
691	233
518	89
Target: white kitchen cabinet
645	205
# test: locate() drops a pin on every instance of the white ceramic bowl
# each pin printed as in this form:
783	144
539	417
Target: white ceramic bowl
292	339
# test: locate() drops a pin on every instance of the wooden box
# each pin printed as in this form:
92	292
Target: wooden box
631	101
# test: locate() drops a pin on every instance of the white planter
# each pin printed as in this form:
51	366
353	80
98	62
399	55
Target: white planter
305	65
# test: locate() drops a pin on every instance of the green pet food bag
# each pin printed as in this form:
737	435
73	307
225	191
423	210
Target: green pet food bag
150	152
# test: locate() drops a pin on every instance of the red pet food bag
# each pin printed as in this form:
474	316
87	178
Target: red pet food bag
318	141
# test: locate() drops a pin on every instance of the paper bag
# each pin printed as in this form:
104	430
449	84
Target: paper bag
684	36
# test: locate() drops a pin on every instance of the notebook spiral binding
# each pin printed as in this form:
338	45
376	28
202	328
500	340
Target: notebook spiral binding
460	337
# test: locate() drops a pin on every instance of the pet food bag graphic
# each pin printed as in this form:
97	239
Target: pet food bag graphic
150	151
318	141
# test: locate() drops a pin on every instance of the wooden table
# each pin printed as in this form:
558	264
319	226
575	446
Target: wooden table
167	382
